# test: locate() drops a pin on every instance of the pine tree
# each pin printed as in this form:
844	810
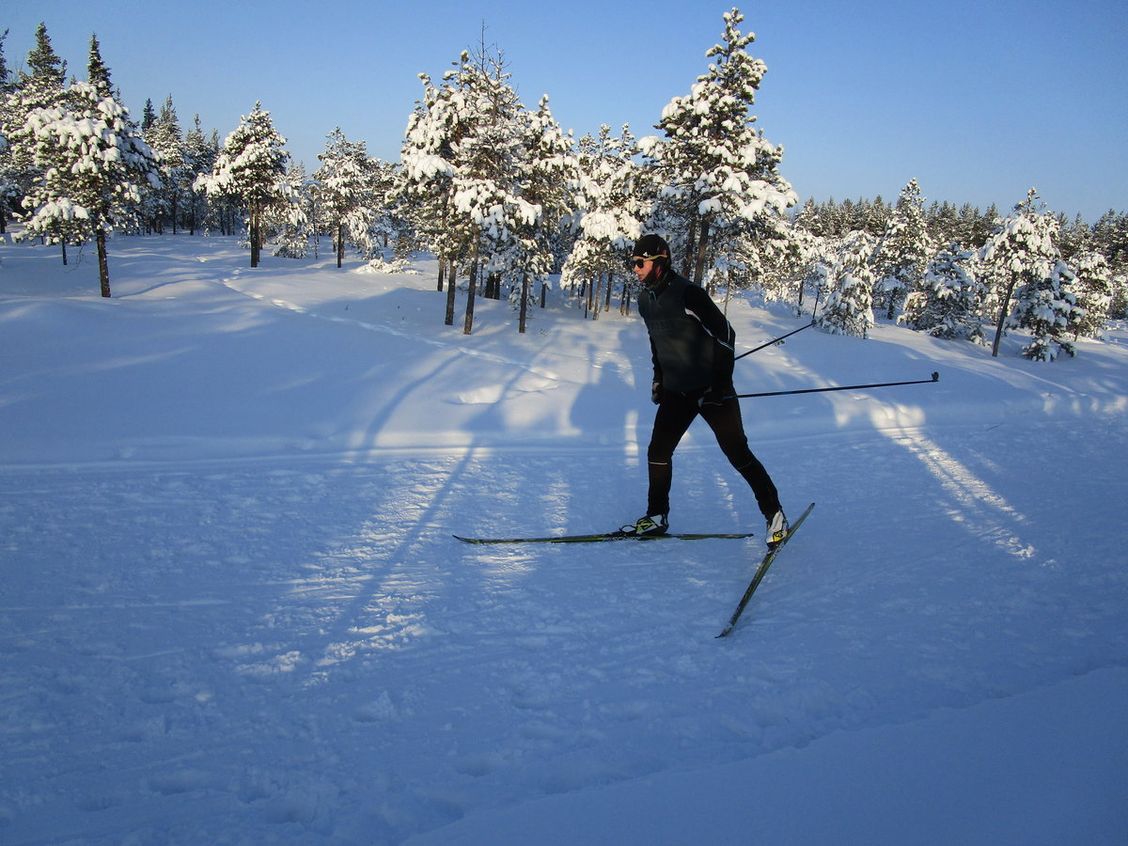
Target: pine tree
345	191
717	169
547	181
610	211
200	154
95	168
97	73
946	303
1093	288
165	138
849	305
1047	307
902	254
252	167
44	85
1019	257
9	173
425	183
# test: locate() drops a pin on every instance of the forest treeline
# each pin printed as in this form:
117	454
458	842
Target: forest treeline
510	203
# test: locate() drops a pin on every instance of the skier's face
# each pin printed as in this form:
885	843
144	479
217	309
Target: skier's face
646	270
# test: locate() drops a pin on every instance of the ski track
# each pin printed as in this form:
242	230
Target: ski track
304	644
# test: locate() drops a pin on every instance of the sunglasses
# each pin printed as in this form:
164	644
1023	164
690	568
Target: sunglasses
639	262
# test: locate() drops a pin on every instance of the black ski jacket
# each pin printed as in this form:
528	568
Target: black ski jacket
691	342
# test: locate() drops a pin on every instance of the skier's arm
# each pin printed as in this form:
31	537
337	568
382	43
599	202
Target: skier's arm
701	306
656	383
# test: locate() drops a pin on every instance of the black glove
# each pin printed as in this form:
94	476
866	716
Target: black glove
656	392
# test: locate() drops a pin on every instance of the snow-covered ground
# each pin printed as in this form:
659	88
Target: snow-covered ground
232	610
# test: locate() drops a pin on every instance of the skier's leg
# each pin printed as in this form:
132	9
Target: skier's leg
671	421
728	426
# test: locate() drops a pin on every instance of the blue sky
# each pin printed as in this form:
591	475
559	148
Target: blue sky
978	101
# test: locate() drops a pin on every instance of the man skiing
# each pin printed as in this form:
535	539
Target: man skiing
691	344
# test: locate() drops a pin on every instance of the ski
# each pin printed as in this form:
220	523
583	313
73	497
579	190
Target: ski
762	570
601	537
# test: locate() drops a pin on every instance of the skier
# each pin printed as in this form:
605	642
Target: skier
691	344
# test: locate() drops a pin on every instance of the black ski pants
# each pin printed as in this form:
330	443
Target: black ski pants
675	414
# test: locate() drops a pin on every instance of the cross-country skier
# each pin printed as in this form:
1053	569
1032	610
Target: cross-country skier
691	344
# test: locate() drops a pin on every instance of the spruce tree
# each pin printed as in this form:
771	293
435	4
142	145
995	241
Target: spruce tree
44	85
97	73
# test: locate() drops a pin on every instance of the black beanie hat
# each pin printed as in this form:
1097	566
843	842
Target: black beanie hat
651	246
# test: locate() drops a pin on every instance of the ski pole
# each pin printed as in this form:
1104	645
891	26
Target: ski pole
935	378
774	341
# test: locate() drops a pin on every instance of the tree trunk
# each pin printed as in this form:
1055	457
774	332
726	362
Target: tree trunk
544	293
524	303
452	289
471	292
1003	309
63	245
340	243
103	263
442	270
254	236
702	249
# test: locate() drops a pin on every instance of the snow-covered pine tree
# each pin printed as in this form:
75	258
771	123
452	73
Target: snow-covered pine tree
44	85
716	167
1019	257
252	167
97	72
344	192
1048	309
165	138
95	168
463	158
1093	289
488	190
425	182
9	183
903	251
1110	235
610	212
289	220
548	181
849	304
946	304
200	154
39	88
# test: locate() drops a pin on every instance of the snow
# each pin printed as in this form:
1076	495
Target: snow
233	612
